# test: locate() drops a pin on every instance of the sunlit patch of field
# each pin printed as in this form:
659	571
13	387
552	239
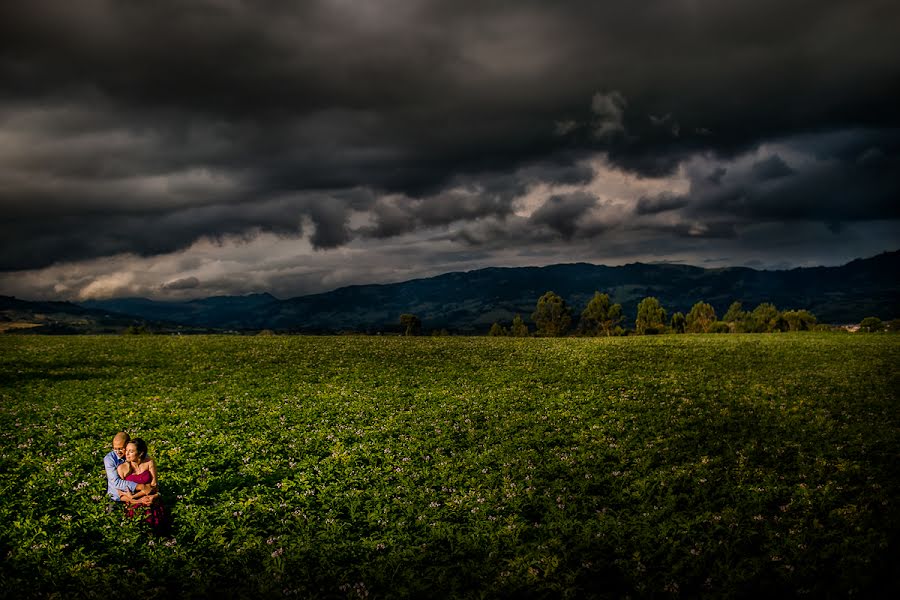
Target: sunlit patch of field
10	325
733	465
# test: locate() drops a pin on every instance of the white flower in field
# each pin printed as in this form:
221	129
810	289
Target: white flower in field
277	553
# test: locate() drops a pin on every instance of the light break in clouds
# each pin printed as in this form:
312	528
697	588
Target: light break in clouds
178	150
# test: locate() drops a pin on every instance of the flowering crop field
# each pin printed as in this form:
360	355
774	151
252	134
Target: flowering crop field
691	465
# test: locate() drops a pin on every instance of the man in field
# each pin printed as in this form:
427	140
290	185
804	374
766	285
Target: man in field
117	488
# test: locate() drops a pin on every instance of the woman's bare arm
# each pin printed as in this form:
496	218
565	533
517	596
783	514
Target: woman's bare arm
152	467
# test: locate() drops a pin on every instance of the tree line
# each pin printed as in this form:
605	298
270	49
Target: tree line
601	317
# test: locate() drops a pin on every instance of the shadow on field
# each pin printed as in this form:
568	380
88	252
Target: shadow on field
10	379
82	370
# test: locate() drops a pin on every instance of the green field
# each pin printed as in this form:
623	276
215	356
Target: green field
733	465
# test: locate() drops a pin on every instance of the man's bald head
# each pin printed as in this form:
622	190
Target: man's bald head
120	440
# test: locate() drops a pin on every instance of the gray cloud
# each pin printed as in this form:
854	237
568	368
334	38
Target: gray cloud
185	283
772	167
661	203
822	187
609	114
141	128
561	213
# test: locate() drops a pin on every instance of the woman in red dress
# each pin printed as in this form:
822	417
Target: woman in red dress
145	502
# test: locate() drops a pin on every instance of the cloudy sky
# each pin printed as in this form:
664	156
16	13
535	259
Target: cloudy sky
175	149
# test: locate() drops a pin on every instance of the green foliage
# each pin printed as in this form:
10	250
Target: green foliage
871	325
651	317
719	327
552	316
497	330
678	322
799	320
518	328
764	318
735	313
324	467
700	318
738	319
600	317
141	329
410	324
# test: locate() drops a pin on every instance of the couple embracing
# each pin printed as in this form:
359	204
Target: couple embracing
131	479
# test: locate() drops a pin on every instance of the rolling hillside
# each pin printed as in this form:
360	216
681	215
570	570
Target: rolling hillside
471	301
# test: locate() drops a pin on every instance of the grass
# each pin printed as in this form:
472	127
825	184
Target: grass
693	466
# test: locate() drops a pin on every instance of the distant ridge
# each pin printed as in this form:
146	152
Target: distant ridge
471	301
468	302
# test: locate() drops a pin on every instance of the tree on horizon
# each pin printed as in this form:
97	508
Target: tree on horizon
552	315
651	317
599	316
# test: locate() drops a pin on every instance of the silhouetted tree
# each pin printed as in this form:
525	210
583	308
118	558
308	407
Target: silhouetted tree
764	318
551	315
719	327
410	324
141	329
871	325
651	317
599	316
700	318
737	317
497	330
678	322
518	328
799	320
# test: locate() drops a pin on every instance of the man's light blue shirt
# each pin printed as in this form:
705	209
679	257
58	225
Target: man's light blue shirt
114	483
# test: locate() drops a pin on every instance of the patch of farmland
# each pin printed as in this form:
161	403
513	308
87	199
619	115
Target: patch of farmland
468	467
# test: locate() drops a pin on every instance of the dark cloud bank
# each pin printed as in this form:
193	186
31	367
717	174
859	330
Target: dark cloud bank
142	127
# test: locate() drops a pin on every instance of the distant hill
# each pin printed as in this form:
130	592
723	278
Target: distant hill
471	301
48	317
22	316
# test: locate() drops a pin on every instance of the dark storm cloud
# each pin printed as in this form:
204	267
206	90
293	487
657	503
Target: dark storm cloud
772	167
561	213
661	203
469	198
835	179
143	126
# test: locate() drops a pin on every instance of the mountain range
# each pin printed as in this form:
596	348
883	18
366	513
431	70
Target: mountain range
469	302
